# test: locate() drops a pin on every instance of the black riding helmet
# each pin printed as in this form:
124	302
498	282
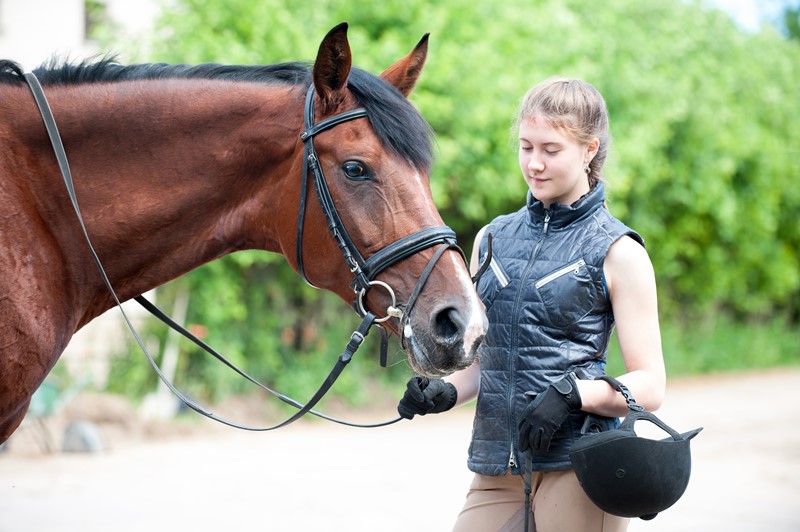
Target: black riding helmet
630	476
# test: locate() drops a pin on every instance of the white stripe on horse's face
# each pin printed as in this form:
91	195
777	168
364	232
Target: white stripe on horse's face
422	185
475	330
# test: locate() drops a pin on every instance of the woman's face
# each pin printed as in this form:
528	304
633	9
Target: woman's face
553	164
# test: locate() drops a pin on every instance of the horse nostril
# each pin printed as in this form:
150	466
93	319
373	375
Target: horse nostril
448	325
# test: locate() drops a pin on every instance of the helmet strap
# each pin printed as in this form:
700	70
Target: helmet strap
621	388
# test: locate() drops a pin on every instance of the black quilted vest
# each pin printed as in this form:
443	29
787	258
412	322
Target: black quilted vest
549	314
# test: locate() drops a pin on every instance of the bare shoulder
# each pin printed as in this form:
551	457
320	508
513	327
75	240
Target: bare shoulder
479	236
627	260
473	261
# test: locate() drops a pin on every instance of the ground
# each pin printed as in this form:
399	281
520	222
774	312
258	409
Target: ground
200	477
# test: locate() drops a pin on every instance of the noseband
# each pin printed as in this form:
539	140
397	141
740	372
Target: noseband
364	271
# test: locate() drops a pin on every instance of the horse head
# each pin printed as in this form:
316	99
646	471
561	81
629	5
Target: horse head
372	152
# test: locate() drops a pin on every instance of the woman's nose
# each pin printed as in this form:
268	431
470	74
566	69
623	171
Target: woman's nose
535	163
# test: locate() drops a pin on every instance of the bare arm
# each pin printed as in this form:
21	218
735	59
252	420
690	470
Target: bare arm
466	382
632	289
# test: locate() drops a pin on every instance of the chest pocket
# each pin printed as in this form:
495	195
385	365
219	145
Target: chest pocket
568	294
492	282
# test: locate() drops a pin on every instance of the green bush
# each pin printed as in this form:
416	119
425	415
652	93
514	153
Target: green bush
704	161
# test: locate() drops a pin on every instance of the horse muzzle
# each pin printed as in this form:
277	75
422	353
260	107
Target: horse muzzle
447	342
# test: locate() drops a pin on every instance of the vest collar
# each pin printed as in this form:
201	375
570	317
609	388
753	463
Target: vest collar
563	215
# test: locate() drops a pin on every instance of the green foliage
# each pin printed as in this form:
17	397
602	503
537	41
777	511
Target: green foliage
789	21
262	318
704	162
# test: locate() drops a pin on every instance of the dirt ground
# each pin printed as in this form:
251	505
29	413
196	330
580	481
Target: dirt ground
411	476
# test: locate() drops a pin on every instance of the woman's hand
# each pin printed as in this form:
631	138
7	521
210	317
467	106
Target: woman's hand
546	413
426	396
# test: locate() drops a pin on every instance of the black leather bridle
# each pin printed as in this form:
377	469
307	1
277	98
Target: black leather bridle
364	271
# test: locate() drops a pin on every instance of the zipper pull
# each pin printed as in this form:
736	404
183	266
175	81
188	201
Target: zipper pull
512	462
546	221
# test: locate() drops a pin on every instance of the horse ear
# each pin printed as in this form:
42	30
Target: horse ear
332	66
405	72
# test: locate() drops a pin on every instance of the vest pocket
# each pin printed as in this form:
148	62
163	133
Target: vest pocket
502	278
575	268
568	294
492	283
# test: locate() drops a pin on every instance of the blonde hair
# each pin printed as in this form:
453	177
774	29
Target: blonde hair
574	108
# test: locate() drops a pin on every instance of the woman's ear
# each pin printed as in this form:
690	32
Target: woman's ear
591	150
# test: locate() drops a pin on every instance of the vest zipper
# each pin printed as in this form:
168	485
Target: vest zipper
512	462
574	267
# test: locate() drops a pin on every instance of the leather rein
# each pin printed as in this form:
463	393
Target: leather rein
364	271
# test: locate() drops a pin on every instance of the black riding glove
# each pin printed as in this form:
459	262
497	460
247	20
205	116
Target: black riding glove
546	412
425	396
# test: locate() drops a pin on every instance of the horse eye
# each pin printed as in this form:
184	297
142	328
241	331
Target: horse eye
357	171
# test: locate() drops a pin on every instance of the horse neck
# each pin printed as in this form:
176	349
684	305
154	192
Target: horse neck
170	175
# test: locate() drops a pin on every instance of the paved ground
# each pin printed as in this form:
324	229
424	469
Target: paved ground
412	476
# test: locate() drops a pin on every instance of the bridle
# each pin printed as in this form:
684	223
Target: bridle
364	271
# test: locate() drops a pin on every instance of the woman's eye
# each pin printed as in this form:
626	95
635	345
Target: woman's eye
356	171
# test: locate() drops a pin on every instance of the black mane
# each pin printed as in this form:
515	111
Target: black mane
396	122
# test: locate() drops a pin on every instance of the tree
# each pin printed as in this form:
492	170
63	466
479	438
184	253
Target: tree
791	21
703	163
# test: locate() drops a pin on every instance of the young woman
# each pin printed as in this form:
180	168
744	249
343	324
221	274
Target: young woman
563	273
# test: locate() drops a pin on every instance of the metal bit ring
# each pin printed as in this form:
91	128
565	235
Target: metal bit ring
392	311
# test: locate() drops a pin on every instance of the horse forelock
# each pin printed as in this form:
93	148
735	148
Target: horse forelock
395	121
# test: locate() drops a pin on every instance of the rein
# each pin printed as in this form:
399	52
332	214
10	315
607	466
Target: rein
364	271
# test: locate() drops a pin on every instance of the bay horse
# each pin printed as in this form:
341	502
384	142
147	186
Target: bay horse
175	166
